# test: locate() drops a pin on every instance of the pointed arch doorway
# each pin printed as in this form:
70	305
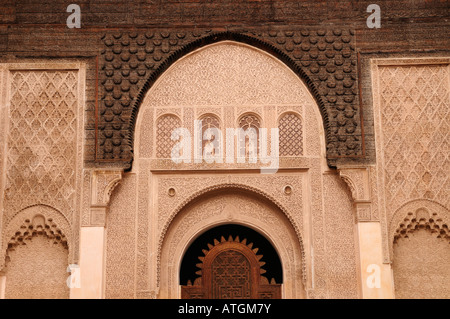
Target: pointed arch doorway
232	267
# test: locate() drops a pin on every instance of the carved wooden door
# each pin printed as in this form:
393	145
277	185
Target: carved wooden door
231	269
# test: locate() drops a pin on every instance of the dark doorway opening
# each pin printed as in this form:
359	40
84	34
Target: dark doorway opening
270	256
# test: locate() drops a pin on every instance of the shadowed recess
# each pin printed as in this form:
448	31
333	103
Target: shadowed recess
270	257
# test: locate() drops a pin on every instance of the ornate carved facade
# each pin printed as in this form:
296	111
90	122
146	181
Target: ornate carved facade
349	186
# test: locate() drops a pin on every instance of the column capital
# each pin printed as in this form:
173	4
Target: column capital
103	182
358	180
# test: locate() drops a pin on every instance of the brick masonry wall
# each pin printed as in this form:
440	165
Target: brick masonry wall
36	29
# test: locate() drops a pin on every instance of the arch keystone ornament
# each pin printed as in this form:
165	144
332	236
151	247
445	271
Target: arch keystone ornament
231	269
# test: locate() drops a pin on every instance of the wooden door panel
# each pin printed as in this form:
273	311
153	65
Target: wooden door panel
231	269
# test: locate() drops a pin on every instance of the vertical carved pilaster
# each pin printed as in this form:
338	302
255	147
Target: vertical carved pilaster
369	234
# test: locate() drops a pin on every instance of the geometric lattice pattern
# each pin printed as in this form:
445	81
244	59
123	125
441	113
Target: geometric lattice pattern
249	121
231	276
246	145
291	142
42	140
165	126
209	122
415	121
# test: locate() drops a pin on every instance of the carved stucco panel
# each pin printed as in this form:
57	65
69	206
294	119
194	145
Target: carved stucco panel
411	112
435	216
171	192
358	182
144	229
421	266
42	109
44	139
342	257
86	198
121	239
228	72
187	186
318	229
147	133
103	184
258	80
37	270
3	127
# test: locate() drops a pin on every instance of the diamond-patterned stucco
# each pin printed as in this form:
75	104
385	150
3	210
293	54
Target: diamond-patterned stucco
415	117
42	140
